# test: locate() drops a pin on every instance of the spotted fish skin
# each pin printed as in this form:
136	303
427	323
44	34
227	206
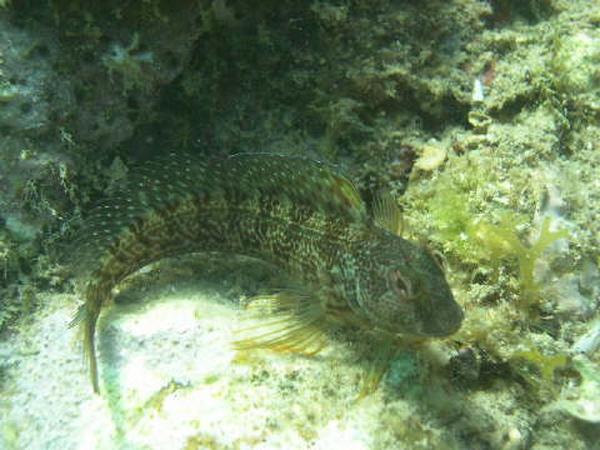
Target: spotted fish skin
295	213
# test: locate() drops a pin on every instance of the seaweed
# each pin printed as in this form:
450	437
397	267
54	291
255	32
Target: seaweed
545	365
501	241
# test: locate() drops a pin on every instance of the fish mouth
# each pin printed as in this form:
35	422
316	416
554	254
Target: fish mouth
445	323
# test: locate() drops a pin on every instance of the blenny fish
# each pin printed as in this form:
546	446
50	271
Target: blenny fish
350	265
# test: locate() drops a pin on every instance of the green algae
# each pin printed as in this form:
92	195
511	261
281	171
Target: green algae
472	238
501	241
545	365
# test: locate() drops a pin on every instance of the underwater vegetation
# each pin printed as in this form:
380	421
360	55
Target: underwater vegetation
501	241
476	239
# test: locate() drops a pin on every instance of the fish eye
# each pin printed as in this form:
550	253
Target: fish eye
400	284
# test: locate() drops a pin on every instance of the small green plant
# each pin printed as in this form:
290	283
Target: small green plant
544	364
474	240
501	241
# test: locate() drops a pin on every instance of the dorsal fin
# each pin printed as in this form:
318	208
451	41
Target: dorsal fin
347	194
387	214
304	182
299	182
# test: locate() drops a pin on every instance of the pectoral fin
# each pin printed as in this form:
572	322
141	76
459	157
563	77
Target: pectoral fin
379	363
287	321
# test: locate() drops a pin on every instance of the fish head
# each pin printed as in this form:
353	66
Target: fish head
407	291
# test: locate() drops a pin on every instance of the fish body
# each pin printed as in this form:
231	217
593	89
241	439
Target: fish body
295	213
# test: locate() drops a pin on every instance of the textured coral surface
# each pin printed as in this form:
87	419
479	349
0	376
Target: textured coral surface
480	118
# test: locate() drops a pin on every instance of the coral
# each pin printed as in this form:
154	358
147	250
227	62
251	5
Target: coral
582	401
505	89
131	63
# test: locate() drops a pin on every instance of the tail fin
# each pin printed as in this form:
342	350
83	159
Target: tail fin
86	319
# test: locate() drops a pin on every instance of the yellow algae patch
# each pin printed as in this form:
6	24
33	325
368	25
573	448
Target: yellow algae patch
432	157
